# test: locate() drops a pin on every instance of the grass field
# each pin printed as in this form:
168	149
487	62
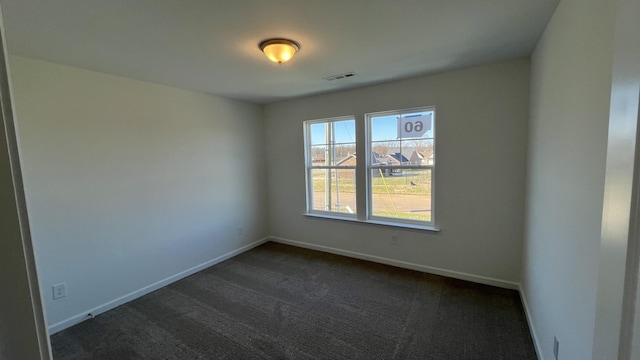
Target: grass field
410	182
404	215
406	195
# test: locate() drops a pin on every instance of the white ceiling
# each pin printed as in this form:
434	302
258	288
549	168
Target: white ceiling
212	45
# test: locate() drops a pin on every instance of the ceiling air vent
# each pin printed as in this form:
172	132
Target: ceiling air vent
339	76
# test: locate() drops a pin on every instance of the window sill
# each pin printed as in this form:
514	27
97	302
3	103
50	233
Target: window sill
374	222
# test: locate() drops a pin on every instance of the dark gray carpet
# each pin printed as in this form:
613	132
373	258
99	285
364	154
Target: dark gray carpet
283	302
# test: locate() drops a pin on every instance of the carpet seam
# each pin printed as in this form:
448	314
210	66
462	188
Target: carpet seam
406	323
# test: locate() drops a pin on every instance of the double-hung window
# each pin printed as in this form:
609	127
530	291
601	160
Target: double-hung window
397	167
331	166
400	165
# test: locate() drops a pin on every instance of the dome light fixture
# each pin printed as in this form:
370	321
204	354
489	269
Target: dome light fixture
279	50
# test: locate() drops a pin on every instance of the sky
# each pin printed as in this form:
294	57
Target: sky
382	128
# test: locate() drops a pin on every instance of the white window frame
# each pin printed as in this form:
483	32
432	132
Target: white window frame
364	194
309	167
370	167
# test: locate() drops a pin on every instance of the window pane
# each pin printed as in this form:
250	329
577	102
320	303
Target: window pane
334	190
319	155
381	151
335	132
345	131
344	154
319	133
384	128
333	155
401	193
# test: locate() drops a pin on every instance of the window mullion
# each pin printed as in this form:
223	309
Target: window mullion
362	179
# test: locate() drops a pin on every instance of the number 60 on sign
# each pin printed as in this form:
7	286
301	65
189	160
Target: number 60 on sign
414	126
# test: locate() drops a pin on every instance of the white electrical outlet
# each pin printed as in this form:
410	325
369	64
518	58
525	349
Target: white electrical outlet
59	291
394	239
240	230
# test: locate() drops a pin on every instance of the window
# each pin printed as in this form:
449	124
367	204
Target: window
331	166
398	167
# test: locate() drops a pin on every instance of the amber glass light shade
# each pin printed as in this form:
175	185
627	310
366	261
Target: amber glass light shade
279	50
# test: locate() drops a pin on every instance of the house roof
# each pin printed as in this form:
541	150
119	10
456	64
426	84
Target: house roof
375	158
399	157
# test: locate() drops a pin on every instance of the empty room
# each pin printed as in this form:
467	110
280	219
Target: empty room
355	179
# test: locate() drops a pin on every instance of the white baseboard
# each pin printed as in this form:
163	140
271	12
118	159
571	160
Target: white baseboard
73	320
403	264
532	329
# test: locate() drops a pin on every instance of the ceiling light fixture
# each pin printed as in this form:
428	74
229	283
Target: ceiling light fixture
279	50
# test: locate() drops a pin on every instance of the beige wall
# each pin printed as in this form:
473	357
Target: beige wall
130	184
481	127
570	91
